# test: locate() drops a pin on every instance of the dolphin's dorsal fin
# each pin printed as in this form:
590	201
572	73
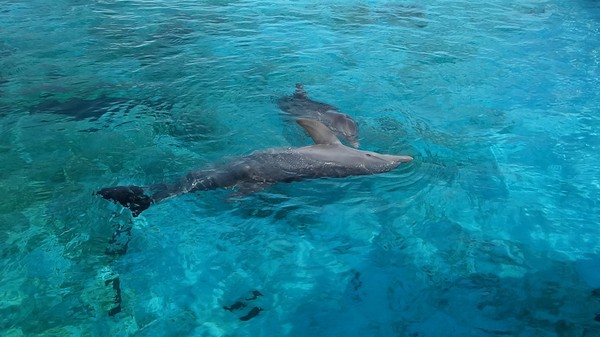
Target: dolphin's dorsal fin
318	132
300	92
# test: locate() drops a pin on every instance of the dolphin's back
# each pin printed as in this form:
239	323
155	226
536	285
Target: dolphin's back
265	168
303	106
310	162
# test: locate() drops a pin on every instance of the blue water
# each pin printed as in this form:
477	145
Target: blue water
492	230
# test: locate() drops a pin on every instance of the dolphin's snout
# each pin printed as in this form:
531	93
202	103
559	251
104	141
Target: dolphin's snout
390	158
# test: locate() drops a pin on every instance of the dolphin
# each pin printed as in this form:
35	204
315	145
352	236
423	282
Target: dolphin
327	158
300	106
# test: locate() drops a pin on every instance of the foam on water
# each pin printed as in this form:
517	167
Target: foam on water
492	229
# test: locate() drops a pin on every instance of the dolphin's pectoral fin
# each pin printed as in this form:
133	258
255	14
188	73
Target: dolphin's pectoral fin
318	132
132	197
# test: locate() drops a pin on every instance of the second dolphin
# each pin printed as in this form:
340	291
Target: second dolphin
298	105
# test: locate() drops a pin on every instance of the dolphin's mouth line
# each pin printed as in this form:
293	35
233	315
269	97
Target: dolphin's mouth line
372	156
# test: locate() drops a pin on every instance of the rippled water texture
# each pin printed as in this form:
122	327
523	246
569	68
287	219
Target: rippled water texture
492	230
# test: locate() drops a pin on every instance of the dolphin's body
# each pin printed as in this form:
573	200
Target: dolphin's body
299	105
328	158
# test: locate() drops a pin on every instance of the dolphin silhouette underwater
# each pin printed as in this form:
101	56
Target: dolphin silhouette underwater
299	105
327	158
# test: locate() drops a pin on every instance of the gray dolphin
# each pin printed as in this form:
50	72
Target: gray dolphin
300	106
327	158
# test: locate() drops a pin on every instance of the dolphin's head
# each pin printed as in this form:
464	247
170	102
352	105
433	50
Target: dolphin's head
349	130
343	159
343	125
377	162
357	162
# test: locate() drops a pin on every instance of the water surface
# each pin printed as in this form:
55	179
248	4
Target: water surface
492	230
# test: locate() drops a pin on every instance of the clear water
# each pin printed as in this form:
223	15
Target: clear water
493	230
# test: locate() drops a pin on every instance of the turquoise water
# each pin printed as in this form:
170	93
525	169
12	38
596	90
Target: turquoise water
492	230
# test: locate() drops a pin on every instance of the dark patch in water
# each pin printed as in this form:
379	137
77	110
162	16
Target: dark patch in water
174	34
2	83
6	50
251	314
408	15
116	284
238	305
90	130
81	109
117	245
403	14
241	304
255	294
354	288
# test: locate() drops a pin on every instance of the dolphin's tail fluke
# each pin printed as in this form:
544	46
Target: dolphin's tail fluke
132	197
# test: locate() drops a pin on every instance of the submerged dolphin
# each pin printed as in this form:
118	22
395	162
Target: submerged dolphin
328	158
300	106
